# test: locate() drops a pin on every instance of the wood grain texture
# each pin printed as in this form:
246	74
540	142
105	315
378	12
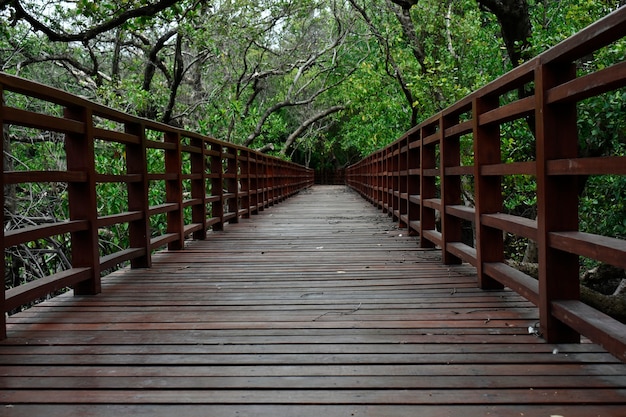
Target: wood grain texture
317	306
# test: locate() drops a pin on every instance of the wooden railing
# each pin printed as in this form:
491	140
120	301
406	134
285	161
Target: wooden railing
207	183
418	180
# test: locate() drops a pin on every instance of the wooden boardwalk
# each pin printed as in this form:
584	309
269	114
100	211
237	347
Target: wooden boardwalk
319	306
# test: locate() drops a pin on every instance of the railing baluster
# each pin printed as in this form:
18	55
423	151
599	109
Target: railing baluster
3	331
403	179
488	190
79	151
557	200
427	185
245	181
198	184
217	185
136	163
450	156
232	182
261	175
414	181
174	190
255	184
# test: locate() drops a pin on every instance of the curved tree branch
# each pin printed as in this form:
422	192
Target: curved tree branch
177	79
294	135
86	35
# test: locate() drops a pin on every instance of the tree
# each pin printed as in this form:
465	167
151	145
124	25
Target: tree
515	26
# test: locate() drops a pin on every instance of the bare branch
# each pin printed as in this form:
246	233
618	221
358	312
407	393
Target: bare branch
296	133
144	11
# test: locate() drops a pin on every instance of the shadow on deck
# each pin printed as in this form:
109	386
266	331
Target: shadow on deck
318	306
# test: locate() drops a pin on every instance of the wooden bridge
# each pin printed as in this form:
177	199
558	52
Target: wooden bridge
320	306
275	297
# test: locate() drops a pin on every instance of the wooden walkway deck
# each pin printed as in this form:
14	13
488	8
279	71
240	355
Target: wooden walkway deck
318	306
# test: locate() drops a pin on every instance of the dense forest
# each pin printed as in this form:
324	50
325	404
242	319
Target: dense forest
321	82
315	80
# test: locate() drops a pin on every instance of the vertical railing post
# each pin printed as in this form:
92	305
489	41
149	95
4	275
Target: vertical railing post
198	191
269	181
450	156
262	177
232	182
414	182
373	181
80	154
557	200
279	181
369	176
488	189
217	186
394	188
136	165
3	324
244	161
428	188
403	179
381	178
254	183
384	180
174	190
373	173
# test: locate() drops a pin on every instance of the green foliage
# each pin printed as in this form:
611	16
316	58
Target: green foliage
375	117
246	75
603	206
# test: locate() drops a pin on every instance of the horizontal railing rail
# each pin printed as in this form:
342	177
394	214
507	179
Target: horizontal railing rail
198	183
419	180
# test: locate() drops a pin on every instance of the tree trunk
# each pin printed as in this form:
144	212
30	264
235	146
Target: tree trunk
515	26
613	305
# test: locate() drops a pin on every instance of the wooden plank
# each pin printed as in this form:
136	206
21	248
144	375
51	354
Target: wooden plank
109	261
601	248
515	279
601	328
113	136
104	221
590	85
513	168
19	295
564	397
41	121
17	177
459	129
463	251
588	166
210	382
30	233
461	211
316	306
459	170
285	410
516	225
508	112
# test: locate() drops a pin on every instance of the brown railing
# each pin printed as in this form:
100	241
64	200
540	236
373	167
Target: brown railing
206	183
418	180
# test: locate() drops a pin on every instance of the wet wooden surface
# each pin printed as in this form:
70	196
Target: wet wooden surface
318	306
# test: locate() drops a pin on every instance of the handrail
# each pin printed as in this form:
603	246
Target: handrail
417	180
207	182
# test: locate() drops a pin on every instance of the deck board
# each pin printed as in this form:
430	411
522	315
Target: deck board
318	306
